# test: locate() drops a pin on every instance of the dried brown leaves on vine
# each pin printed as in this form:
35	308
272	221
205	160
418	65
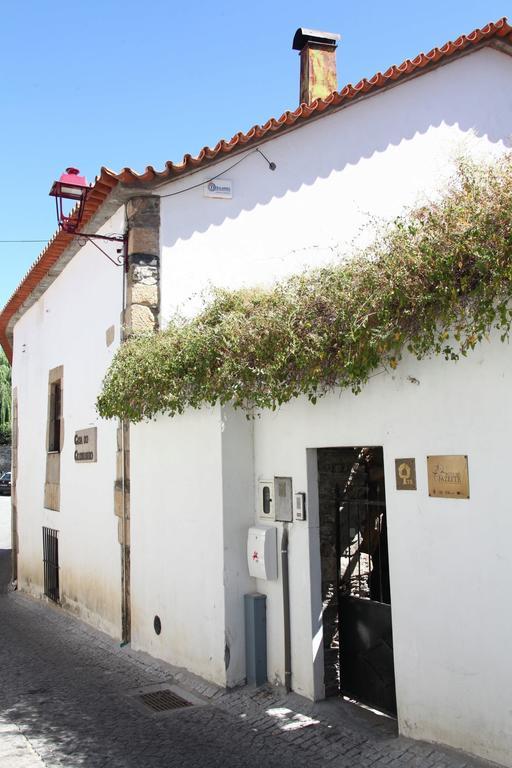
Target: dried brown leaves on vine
436	282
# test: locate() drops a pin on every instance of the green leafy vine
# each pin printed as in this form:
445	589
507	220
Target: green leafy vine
435	282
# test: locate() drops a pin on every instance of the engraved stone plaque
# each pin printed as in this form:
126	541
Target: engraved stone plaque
448	477
86	450
405	471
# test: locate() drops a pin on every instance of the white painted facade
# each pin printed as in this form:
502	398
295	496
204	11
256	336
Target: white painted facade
449	559
194	477
67	327
335	178
190	512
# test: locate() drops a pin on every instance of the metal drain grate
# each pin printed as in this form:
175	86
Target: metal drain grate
162	701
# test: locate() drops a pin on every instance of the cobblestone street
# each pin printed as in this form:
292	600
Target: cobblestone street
70	696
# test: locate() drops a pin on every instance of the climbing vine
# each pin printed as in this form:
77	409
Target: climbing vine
435	282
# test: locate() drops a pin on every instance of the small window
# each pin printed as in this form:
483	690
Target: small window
51	563
55	417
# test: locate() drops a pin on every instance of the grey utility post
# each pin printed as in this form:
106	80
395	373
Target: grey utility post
256	638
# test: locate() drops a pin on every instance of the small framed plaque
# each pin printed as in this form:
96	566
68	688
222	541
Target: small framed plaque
405	471
86	442
448	477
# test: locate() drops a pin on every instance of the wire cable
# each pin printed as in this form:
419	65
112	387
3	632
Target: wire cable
221	173
271	165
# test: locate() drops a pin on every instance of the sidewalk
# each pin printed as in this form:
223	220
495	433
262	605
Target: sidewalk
70	696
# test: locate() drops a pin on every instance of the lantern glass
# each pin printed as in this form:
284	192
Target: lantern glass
72	192
70	186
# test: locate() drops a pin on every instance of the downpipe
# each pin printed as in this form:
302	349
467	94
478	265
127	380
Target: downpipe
286	610
125	427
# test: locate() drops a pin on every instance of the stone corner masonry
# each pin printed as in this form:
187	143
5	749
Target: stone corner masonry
143	289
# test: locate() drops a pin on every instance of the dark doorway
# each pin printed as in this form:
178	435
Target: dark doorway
358	645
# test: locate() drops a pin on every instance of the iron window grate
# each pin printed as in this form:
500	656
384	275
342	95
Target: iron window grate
51	563
162	701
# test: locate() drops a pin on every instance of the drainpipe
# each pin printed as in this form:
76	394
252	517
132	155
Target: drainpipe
125	547
125	521
286	610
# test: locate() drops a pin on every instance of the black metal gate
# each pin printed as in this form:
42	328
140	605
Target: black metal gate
51	563
364	600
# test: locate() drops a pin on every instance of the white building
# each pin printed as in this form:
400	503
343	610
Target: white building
154	522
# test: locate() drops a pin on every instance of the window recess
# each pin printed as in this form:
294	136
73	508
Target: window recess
54	432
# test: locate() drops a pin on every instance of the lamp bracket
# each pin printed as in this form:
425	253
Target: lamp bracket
120	259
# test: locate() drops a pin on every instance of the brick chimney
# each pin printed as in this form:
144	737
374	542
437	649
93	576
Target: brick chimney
318	77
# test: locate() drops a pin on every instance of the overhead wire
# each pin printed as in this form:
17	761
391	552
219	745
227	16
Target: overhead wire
271	165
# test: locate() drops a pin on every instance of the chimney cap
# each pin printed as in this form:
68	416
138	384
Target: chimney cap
304	36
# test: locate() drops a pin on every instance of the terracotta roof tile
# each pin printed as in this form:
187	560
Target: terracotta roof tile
108	179
498	29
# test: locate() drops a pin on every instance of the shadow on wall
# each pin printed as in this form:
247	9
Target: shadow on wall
5	570
447	96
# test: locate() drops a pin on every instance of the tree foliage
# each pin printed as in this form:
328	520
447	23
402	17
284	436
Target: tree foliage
435	282
5	399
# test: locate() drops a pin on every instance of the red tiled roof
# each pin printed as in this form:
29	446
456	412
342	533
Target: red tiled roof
108	179
499	29
48	257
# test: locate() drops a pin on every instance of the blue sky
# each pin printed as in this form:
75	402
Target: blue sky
119	82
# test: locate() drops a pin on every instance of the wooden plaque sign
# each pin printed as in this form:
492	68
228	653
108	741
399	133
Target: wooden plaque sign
86	449
448	477
405	471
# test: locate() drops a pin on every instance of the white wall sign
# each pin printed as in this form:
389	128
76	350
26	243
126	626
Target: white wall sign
86	445
218	188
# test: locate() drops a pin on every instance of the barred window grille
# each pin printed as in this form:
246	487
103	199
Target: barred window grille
51	563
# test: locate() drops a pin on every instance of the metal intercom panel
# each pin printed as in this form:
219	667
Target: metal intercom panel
300	506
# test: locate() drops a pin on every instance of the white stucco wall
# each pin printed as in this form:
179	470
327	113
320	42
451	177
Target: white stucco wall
334	178
67	326
450	560
176	541
238	516
193	478
190	508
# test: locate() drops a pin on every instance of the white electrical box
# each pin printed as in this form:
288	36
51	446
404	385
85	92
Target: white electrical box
283	501
266	500
262	552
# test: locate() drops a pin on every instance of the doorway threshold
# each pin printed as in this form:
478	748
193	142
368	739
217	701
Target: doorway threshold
377	712
346	711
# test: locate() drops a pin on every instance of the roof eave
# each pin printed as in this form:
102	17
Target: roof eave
111	189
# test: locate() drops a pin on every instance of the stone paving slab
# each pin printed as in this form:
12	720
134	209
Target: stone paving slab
68	700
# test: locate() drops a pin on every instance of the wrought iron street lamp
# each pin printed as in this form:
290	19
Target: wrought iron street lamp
72	186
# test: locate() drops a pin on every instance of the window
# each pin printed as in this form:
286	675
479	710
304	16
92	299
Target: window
51	563
55	417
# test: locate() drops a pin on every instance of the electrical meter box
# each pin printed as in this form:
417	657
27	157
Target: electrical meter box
262	552
283	501
266	500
